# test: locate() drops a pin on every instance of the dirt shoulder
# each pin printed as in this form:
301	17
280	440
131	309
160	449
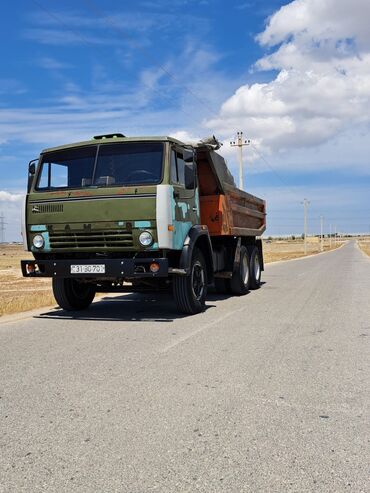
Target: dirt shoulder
364	244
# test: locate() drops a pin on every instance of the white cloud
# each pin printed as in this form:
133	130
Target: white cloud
319	20
185	136
6	197
11	209
321	51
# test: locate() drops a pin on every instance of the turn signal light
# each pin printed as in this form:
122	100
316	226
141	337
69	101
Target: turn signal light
31	268
154	267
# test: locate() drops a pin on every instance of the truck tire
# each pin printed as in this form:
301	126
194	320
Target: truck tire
240	280
70	294
190	291
222	286
255	269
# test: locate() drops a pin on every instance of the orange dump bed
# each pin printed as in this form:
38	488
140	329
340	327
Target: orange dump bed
225	209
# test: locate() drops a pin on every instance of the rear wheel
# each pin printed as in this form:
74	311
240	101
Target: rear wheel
71	294
240	280
190	291
255	269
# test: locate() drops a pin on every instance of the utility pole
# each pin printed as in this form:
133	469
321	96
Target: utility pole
305	207
330	238
321	233
2	228
239	142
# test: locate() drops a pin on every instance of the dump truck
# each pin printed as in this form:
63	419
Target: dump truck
118	214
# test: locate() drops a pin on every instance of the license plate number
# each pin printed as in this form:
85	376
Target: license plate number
88	269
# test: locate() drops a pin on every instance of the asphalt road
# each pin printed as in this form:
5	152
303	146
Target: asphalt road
264	393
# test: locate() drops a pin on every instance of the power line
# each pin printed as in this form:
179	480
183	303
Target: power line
161	67
126	35
287	187
91	6
117	28
86	41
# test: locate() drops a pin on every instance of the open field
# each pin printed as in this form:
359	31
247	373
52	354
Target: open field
364	244
275	250
19	294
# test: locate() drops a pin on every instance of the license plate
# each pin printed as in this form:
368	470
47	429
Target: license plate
88	269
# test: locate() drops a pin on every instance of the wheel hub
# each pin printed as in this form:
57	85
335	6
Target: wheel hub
197	281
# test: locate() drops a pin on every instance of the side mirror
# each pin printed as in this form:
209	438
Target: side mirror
188	155
32	167
31	173
189	176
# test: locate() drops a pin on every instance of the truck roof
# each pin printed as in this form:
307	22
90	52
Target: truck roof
205	150
113	139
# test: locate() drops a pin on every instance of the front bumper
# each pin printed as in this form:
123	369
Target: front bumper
114	268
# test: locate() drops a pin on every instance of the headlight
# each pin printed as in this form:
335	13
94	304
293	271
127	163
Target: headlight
38	241
145	238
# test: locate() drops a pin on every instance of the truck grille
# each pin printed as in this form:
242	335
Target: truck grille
42	208
90	239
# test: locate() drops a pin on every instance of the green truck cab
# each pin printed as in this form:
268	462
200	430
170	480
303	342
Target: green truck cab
123	213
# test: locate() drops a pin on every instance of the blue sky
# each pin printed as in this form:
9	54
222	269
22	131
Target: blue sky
294	76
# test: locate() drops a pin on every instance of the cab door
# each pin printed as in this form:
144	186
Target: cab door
186	198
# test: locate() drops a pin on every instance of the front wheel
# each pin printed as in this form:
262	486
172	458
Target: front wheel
190	291
71	294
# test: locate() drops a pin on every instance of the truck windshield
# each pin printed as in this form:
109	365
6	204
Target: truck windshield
105	165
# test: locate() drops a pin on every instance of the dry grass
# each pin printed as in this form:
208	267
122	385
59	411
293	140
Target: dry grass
18	294
289	249
364	244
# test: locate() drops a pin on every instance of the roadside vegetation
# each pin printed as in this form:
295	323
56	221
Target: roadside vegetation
364	244
18	294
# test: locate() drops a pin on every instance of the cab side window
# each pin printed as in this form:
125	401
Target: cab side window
180	168
174	177
177	168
